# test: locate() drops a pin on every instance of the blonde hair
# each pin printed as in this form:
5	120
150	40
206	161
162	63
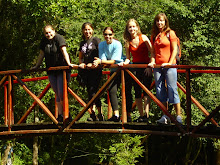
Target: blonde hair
126	35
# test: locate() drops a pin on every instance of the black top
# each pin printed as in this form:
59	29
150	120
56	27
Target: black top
52	53
89	49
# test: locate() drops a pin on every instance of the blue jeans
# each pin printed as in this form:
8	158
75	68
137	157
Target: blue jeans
56	82
166	85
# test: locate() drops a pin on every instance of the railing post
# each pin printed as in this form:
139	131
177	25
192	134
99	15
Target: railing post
123	102
6	104
65	97
55	109
10	108
109	103
188	99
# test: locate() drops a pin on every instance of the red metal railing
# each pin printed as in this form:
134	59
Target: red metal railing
7	82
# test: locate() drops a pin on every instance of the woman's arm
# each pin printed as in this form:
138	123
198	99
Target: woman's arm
173	45
81	63
98	61
174	52
151	50
148	43
66	56
128	55
102	57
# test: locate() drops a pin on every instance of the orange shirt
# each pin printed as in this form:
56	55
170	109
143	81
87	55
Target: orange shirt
162	47
139	53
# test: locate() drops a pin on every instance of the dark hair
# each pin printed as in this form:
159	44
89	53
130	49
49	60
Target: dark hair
108	28
84	26
155	29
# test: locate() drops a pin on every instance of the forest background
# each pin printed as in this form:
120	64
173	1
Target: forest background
196	23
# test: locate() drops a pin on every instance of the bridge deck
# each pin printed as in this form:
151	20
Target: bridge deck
49	128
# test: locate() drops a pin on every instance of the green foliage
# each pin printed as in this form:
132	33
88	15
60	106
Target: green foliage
22	154
127	150
195	22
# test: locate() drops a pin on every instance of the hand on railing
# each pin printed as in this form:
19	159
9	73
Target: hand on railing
126	62
89	65
151	64
165	64
72	65
82	65
97	61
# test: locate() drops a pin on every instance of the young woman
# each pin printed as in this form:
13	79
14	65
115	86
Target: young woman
137	47
53	48
165	54
110	52
91	77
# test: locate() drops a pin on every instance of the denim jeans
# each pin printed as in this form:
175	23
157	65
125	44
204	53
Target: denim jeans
56	82
166	85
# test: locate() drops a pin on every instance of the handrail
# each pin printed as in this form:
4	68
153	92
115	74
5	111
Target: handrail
187	69
111	66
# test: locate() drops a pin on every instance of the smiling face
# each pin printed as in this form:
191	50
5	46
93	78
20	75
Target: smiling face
87	32
161	23
132	28
108	35
49	33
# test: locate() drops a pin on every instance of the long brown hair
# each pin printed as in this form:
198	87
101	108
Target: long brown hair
155	29
84	26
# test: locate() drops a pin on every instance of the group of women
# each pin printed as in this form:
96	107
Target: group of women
93	52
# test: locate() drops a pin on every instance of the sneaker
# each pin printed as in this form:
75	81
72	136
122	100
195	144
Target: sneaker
60	118
179	119
164	120
101	117
92	117
142	119
114	118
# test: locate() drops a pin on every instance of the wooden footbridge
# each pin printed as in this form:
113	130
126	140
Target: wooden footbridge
10	128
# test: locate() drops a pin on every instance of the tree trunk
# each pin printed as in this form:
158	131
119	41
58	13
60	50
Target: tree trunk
5	156
218	156
35	151
35	142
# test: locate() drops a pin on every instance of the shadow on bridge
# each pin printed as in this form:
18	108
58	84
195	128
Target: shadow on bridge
12	130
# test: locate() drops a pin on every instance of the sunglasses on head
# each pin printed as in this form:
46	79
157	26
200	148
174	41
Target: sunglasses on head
105	34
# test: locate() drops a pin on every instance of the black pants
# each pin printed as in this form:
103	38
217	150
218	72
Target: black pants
91	79
144	75
113	88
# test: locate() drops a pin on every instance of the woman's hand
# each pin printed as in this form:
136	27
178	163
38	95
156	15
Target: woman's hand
121	64
97	61
126	62
151	64
165	64
72	65
89	65
82	65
